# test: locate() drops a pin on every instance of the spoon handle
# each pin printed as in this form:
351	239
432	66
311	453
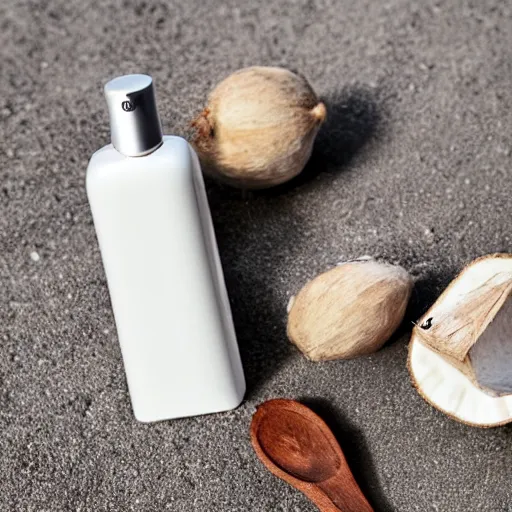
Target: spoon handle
345	495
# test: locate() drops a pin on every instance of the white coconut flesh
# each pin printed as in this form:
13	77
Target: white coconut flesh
482	396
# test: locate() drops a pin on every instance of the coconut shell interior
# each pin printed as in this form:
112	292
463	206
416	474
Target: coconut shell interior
491	355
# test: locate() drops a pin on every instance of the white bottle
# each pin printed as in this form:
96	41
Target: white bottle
163	270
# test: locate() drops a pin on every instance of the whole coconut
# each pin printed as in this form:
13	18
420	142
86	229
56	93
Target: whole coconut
258	128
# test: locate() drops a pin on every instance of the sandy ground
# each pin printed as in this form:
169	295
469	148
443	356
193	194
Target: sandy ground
413	166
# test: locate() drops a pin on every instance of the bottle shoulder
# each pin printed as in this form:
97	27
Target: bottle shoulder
175	152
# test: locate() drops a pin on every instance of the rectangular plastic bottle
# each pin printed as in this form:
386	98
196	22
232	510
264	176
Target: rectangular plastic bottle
163	270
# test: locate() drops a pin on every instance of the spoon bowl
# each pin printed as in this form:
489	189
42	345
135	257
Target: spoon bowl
294	444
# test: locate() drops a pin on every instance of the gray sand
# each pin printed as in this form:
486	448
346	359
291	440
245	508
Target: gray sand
413	166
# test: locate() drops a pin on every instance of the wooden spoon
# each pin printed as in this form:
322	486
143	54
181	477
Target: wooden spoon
297	446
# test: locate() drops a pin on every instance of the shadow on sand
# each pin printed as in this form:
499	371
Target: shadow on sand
256	229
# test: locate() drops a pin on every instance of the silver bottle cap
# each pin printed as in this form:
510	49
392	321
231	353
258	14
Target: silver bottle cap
134	122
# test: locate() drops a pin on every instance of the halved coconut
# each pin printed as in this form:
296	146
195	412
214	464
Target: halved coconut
460	355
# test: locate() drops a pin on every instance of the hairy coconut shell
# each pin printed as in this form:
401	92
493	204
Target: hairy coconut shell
259	127
350	310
